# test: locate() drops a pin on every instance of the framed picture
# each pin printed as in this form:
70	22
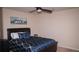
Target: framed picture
17	20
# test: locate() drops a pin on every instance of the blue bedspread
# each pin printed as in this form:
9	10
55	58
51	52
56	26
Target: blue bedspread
39	43
33	44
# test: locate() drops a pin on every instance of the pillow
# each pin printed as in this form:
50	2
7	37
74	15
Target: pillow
14	36
24	35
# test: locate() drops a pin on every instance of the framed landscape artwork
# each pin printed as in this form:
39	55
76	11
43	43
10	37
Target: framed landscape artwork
17	20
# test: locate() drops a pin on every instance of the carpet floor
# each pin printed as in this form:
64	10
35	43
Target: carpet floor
61	49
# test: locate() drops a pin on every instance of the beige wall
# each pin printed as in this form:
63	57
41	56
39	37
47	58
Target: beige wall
6	20
62	26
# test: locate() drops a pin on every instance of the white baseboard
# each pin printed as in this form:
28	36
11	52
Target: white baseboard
69	48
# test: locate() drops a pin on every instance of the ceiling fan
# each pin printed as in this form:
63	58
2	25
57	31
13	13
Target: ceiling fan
40	10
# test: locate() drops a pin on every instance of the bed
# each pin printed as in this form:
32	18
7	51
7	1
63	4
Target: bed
20	40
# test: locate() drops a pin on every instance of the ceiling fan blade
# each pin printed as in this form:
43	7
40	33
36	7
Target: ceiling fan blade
48	11
38	8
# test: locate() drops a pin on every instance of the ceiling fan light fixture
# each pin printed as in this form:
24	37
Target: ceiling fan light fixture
39	10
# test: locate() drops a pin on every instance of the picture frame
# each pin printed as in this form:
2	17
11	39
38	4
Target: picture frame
17	20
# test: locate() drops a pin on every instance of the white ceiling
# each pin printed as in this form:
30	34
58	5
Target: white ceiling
28	9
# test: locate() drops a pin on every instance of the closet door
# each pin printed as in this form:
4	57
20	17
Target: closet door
1	27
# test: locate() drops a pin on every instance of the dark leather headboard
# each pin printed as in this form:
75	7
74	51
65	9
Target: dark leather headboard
10	30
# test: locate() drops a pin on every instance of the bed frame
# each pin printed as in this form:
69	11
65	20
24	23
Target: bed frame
52	48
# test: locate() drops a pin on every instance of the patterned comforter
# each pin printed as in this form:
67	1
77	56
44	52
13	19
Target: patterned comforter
33	44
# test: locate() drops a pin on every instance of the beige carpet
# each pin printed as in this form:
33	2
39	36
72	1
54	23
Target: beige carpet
61	49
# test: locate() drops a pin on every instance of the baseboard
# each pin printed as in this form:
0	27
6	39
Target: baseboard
69	48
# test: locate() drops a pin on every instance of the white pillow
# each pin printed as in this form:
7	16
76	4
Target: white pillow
14	35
